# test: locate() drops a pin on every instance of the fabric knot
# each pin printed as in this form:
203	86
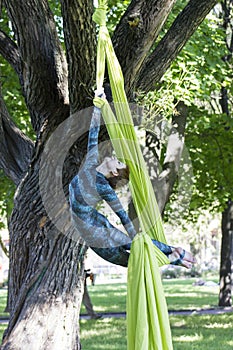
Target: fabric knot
99	102
99	16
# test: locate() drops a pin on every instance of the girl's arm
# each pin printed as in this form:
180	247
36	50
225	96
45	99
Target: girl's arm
110	196
92	147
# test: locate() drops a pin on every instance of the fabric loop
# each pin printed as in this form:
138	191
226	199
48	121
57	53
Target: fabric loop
99	102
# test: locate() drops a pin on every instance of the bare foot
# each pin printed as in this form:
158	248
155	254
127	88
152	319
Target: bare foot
181	257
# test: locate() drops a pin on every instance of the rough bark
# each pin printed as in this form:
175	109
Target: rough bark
226	264
80	41
9	51
45	293
225	297
42	60
16	148
164	175
137	32
172	43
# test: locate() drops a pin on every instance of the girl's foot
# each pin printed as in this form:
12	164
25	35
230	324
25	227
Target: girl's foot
181	257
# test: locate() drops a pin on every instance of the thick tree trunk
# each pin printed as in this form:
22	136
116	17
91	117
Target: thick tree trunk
225	296
45	284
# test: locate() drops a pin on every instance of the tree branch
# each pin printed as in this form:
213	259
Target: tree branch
43	63
172	43
9	50
80	41
16	148
175	146
137	32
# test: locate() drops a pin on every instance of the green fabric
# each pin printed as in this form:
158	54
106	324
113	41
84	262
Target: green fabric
147	317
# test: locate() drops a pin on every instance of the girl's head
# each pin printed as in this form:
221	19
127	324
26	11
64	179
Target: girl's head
116	172
121	179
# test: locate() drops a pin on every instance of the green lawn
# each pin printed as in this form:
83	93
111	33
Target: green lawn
180	294
3	301
190	332
193	332
196	332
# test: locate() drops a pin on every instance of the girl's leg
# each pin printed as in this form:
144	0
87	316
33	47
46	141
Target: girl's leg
115	255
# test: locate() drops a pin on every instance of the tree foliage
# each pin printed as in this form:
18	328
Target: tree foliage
196	78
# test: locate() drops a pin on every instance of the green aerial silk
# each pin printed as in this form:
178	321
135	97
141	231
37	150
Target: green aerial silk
148	325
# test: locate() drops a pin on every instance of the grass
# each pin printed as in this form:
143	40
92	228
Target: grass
193	332
202	332
197	332
180	294
3	301
108	297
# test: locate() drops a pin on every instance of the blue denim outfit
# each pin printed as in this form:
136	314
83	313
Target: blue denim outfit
86	190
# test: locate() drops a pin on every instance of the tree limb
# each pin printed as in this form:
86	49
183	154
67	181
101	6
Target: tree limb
9	50
172	43
80	41
16	148
175	146
136	33
42	59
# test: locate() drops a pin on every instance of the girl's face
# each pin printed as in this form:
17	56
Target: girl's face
113	164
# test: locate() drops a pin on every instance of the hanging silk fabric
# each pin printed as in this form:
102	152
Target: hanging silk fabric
148	325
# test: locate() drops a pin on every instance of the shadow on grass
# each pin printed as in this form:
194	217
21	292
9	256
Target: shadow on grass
202	332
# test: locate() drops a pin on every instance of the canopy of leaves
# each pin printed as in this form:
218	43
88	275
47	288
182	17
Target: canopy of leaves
196	77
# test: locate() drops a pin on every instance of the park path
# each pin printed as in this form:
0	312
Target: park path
211	311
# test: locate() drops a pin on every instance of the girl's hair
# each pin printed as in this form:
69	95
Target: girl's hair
120	180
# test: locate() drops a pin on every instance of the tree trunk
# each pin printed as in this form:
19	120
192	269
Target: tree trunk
45	284
225	297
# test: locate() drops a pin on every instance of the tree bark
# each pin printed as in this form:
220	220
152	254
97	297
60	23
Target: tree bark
42	61
136	32
226	264
45	284
175	151
13	144
164	173
9	51
80	41
225	297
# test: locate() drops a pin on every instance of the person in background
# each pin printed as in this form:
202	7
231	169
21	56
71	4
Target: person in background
86	297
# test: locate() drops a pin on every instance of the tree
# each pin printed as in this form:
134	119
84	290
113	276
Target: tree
226	267
210	136
46	266
225	295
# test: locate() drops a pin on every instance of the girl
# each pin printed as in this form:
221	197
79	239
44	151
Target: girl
96	182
